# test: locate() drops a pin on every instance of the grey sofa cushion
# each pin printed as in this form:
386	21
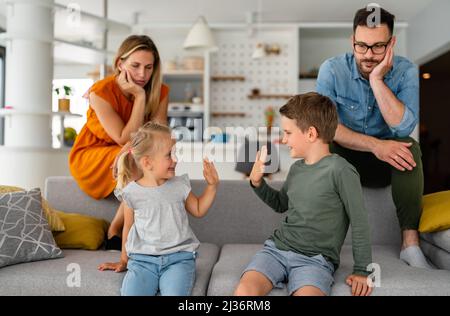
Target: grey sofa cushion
63	193
233	259
439	256
24	232
239	216
397	278
52	277
440	239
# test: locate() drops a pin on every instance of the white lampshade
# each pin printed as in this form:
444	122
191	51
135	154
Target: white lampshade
259	52
200	36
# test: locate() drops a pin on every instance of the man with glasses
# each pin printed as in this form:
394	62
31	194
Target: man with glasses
377	98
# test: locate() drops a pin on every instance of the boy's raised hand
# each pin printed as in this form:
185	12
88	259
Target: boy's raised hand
258	167
360	285
210	172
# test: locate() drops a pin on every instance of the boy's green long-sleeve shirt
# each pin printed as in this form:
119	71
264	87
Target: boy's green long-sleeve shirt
321	200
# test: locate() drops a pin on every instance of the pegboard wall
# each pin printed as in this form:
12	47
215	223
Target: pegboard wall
272	75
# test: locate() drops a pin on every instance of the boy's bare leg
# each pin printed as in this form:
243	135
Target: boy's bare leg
308	291
115	229
253	283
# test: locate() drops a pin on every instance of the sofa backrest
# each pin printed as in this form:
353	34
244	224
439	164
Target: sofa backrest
237	215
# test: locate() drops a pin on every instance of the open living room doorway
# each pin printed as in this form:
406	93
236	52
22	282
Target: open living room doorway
435	123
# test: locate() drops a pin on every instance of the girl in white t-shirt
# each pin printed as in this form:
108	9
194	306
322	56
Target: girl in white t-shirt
158	245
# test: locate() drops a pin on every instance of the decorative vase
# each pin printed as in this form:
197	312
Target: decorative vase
64	105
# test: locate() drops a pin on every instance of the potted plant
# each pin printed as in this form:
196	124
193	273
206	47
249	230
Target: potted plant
269	115
63	100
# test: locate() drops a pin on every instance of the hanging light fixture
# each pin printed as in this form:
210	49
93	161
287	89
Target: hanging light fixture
200	36
260	50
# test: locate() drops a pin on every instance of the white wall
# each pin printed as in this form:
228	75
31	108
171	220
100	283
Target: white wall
72	71
429	32
28	168
3	21
273	74
317	45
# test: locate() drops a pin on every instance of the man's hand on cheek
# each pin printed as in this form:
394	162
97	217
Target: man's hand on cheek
385	66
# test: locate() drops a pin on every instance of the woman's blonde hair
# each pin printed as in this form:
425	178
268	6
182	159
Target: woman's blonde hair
146	141
136	43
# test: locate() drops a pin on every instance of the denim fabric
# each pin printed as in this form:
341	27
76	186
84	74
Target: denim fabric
340	80
295	269
170	275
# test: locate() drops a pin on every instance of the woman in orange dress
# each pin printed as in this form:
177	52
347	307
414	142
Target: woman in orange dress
119	105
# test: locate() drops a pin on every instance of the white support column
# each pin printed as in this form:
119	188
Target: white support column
29	73
207	91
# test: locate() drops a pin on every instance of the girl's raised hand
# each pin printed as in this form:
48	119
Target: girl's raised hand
210	172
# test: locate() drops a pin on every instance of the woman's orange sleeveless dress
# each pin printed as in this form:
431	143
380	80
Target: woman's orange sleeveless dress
94	151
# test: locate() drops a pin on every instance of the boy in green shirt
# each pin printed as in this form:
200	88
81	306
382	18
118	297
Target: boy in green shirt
322	195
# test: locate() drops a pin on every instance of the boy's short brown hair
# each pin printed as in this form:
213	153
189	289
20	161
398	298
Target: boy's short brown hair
313	109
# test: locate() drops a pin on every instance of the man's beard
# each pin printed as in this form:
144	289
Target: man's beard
367	60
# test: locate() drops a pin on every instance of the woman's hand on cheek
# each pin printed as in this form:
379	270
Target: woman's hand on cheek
127	84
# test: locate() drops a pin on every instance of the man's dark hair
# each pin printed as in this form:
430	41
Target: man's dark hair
365	17
313	109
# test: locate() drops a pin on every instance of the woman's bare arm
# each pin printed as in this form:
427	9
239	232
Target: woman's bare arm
111	121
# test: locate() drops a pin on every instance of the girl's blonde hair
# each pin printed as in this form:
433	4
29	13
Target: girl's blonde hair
146	141
136	43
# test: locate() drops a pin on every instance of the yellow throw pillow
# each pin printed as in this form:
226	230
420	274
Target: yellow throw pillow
436	212
55	223
82	231
9	189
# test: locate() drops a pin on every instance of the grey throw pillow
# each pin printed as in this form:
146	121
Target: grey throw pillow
24	232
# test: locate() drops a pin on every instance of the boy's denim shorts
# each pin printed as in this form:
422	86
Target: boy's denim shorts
297	270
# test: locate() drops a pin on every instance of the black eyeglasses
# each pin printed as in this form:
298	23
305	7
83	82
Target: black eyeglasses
377	48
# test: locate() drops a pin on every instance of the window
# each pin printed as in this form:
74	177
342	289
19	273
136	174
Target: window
78	105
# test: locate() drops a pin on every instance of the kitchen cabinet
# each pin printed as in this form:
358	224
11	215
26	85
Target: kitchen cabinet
186	113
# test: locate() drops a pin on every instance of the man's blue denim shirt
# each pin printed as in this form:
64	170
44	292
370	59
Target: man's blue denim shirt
340	79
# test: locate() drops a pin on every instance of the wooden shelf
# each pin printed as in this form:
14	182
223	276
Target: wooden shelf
66	114
307	76
218	114
12	112
183	74
228	78
269	96
64	11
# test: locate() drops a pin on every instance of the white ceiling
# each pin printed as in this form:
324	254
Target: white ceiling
222	11
218	11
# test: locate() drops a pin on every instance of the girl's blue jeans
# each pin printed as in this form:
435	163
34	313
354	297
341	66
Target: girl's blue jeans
170	275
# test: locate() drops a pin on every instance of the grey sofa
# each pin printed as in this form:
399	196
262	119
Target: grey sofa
231	233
